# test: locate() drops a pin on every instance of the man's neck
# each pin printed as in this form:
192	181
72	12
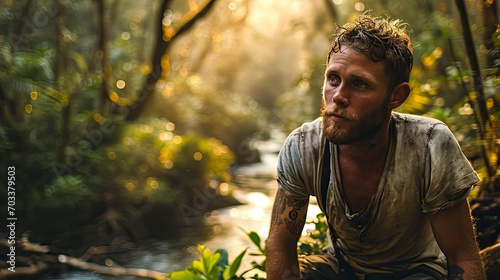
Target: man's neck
367	151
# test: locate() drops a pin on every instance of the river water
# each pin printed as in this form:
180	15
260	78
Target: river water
224	228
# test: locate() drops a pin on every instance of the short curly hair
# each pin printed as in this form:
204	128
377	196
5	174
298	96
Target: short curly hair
381	39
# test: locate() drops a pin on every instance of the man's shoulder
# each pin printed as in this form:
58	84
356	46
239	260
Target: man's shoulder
306	138
309	132
414	119
408	123
413	128
311	127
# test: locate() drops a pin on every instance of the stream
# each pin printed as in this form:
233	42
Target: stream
223	228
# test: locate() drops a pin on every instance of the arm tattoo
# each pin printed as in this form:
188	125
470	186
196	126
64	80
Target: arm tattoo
296	205
455	272
278	208
293	223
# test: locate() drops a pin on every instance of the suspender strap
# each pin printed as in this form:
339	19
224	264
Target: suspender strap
345	270
325	176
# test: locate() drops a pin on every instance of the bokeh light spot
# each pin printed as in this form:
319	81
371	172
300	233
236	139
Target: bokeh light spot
166	136
120	84
198	156
163	158
170	126
28	108
100	119
112	155
217	229
113	96
127	140
234	212
177	139
168	164
359	6
232	6
224	189
125	36
130	186
144	167
108	262
152	183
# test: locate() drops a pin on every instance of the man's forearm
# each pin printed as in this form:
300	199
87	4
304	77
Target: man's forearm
282	265
287	221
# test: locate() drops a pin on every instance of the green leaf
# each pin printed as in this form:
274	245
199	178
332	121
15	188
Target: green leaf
255	239
212	269
201	248
236	263
184	275
198	266
226	275
306	248
224	257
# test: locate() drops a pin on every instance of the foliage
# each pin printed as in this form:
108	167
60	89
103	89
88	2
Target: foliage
259	266
62	117
215	266
150	160
232	118
210	266
66	192
316	239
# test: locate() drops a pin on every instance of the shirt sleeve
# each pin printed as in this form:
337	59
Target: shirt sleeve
450	175
290	165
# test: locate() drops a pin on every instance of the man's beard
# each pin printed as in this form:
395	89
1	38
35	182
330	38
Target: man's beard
353	129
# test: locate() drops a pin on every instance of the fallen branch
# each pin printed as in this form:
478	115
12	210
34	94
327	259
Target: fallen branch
32	270
114	271
39	266
32	247
98	250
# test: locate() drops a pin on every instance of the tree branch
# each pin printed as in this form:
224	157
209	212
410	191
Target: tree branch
162	45
189	19
114	271
38	267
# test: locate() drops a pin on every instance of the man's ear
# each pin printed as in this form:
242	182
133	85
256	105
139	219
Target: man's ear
399	95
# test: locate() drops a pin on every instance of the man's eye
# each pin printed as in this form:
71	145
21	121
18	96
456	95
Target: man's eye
360	84
333	79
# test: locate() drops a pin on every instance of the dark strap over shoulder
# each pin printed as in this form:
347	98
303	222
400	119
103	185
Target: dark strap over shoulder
345	270
325	177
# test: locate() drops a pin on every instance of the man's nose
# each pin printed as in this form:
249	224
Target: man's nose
340	94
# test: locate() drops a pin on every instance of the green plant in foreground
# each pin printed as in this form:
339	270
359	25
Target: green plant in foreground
315	239
215	266
256	240
211	266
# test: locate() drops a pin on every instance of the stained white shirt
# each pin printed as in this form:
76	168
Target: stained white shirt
425	172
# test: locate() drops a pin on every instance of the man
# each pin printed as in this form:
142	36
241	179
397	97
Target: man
396	185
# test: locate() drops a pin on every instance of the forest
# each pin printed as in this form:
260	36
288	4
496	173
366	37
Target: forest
122	120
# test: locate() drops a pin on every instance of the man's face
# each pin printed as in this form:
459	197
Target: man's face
355	99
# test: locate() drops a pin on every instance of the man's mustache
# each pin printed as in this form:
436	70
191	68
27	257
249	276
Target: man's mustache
327	112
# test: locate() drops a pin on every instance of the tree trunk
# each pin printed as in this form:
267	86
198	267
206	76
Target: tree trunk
485	124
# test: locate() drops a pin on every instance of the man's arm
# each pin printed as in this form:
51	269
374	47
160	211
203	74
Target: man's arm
287	221
455	234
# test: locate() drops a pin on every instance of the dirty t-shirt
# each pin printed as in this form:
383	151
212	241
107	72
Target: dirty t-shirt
425	172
